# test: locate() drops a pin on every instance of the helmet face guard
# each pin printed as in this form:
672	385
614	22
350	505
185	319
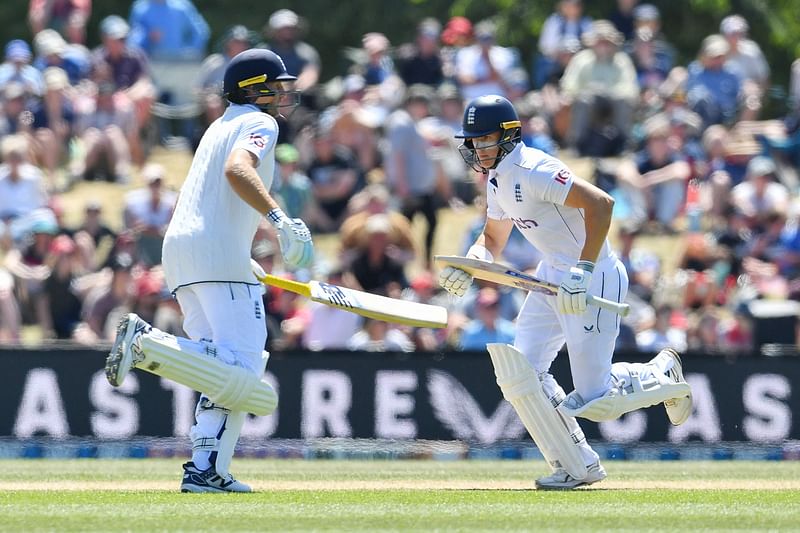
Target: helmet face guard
284	100
511	134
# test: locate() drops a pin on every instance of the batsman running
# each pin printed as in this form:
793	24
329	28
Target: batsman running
567	220
206	259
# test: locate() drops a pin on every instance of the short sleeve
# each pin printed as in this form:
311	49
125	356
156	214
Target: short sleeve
257	135
550	181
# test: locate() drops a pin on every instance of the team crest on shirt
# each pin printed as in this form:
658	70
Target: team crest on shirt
518	193
257	140
563	176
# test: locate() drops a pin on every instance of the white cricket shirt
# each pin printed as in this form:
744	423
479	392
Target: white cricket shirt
212	228
530	187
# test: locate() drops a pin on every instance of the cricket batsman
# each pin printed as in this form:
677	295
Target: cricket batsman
206	259
567	220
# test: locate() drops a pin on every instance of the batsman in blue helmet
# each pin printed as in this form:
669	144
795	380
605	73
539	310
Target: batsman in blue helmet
207	266
567	219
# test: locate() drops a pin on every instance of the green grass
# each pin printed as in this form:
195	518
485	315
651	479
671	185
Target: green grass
141	495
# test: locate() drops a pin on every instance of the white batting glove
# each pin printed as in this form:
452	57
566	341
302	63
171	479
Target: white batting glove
571	297
257	269
454	280
294	239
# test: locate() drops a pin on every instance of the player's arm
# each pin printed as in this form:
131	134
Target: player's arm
494	236
293	235
240	170
597	206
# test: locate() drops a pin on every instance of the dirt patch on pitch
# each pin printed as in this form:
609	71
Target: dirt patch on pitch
401	484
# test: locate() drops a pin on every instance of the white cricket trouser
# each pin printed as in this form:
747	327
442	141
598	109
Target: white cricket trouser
231	315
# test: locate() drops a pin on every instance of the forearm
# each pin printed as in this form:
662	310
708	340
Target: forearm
597	220
247	184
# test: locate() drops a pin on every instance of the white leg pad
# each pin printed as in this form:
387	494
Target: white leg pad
521	387
198	366
627	395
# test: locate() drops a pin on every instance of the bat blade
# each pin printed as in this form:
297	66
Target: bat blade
503	275
365	304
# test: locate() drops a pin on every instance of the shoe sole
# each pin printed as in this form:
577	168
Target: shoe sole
195	489
118	362
678	409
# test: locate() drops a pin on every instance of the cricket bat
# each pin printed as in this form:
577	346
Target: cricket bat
504	275
363	303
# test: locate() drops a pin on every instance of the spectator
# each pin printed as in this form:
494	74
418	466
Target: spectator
485	67
760	197
662	334
375	268
148	212
96	229
745	58
112	290
17	68
10	318
128	70
378	336
420	62
283	32
293	188
652	68
105	129
488	326
168	30
457	35
63	304
53	123
68	17
374	200
567	23
599	81
330	328
712	91
335	177
647	17
22	187
410	171
53	51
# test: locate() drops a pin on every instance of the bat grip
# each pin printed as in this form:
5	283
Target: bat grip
622	309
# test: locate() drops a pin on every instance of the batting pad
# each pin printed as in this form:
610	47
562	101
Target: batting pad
522	389
198	366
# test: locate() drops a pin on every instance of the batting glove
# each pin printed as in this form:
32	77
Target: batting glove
454	280
571	297
294	239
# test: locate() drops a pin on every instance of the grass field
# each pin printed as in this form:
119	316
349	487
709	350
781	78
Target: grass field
141	495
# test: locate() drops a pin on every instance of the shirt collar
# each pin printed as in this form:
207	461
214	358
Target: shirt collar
511	159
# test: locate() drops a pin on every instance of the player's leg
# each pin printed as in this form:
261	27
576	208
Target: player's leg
235	316
605	391
539	337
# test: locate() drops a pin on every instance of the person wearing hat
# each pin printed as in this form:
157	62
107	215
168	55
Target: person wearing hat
485	67
600	75
712	91
53	51
420	61
126	68
17	68
759	198
745	58
283	32
567	23
147	213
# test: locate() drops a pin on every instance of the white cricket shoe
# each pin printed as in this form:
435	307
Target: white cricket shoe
197	481
561	480
123	354
678	409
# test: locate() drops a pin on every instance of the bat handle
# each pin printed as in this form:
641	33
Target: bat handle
622	309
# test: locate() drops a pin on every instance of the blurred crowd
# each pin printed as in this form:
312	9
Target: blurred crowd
682	148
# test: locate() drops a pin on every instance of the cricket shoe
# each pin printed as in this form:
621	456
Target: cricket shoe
678	409
561	480
126	351
197	481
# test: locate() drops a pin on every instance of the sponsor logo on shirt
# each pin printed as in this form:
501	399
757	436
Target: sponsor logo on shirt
257	140
562	176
